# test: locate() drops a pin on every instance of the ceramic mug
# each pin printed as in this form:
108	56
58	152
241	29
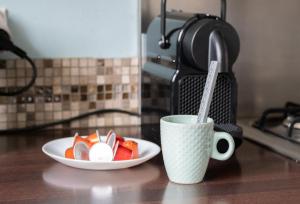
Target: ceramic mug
187	147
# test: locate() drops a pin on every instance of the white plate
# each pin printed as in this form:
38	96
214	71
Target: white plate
56	150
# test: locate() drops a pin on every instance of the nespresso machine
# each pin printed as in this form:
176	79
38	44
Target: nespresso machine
179	49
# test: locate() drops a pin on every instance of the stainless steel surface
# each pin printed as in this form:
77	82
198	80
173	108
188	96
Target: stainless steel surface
277	144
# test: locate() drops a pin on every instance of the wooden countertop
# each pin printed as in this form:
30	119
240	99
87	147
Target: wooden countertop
253	175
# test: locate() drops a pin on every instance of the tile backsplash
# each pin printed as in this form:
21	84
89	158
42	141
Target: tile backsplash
66	88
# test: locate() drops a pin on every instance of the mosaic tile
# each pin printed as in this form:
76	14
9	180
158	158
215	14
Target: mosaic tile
69	87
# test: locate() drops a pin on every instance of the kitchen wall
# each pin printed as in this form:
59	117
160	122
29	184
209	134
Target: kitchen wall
268	66
86	53
74	28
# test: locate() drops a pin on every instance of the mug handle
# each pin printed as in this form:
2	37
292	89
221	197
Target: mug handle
215	153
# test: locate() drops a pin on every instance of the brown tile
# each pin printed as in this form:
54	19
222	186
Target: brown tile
92	105
83	89
100	88
108	71
66	98
125	96
108	96
2	64
100	62
75	97
48	63
108	87
101	70
74	89
100	96
30	116
83	97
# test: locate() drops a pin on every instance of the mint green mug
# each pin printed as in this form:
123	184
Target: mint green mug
187	147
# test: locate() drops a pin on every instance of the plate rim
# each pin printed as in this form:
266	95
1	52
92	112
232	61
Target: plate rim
149	156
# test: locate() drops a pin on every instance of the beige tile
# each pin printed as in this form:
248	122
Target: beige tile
66	63
57	71
48	116
3	125
11	73
118	121
21	82
125	70
57	107
57	115
92	121
83	71
75	124
100	80
21	72
20	63
21	117
48	81
39	116
126	62
66	114
3	82
48	72
75	106
134	103
134	62
48	107
11	108
66	81
108	122
108	62
74	62
21	124
74	113
125	79
30	107
83	80
57	90
11	117
39	63
10	64
66	71
117	62
92	62
92	71
39	81
100	122
83	62
57	63
74	80
2	73
134	70
75	71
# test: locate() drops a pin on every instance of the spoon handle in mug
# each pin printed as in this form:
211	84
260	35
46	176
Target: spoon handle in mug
208	91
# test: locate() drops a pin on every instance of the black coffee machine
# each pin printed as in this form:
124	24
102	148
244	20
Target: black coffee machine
179	49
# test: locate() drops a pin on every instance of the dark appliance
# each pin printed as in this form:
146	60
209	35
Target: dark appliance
179	48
